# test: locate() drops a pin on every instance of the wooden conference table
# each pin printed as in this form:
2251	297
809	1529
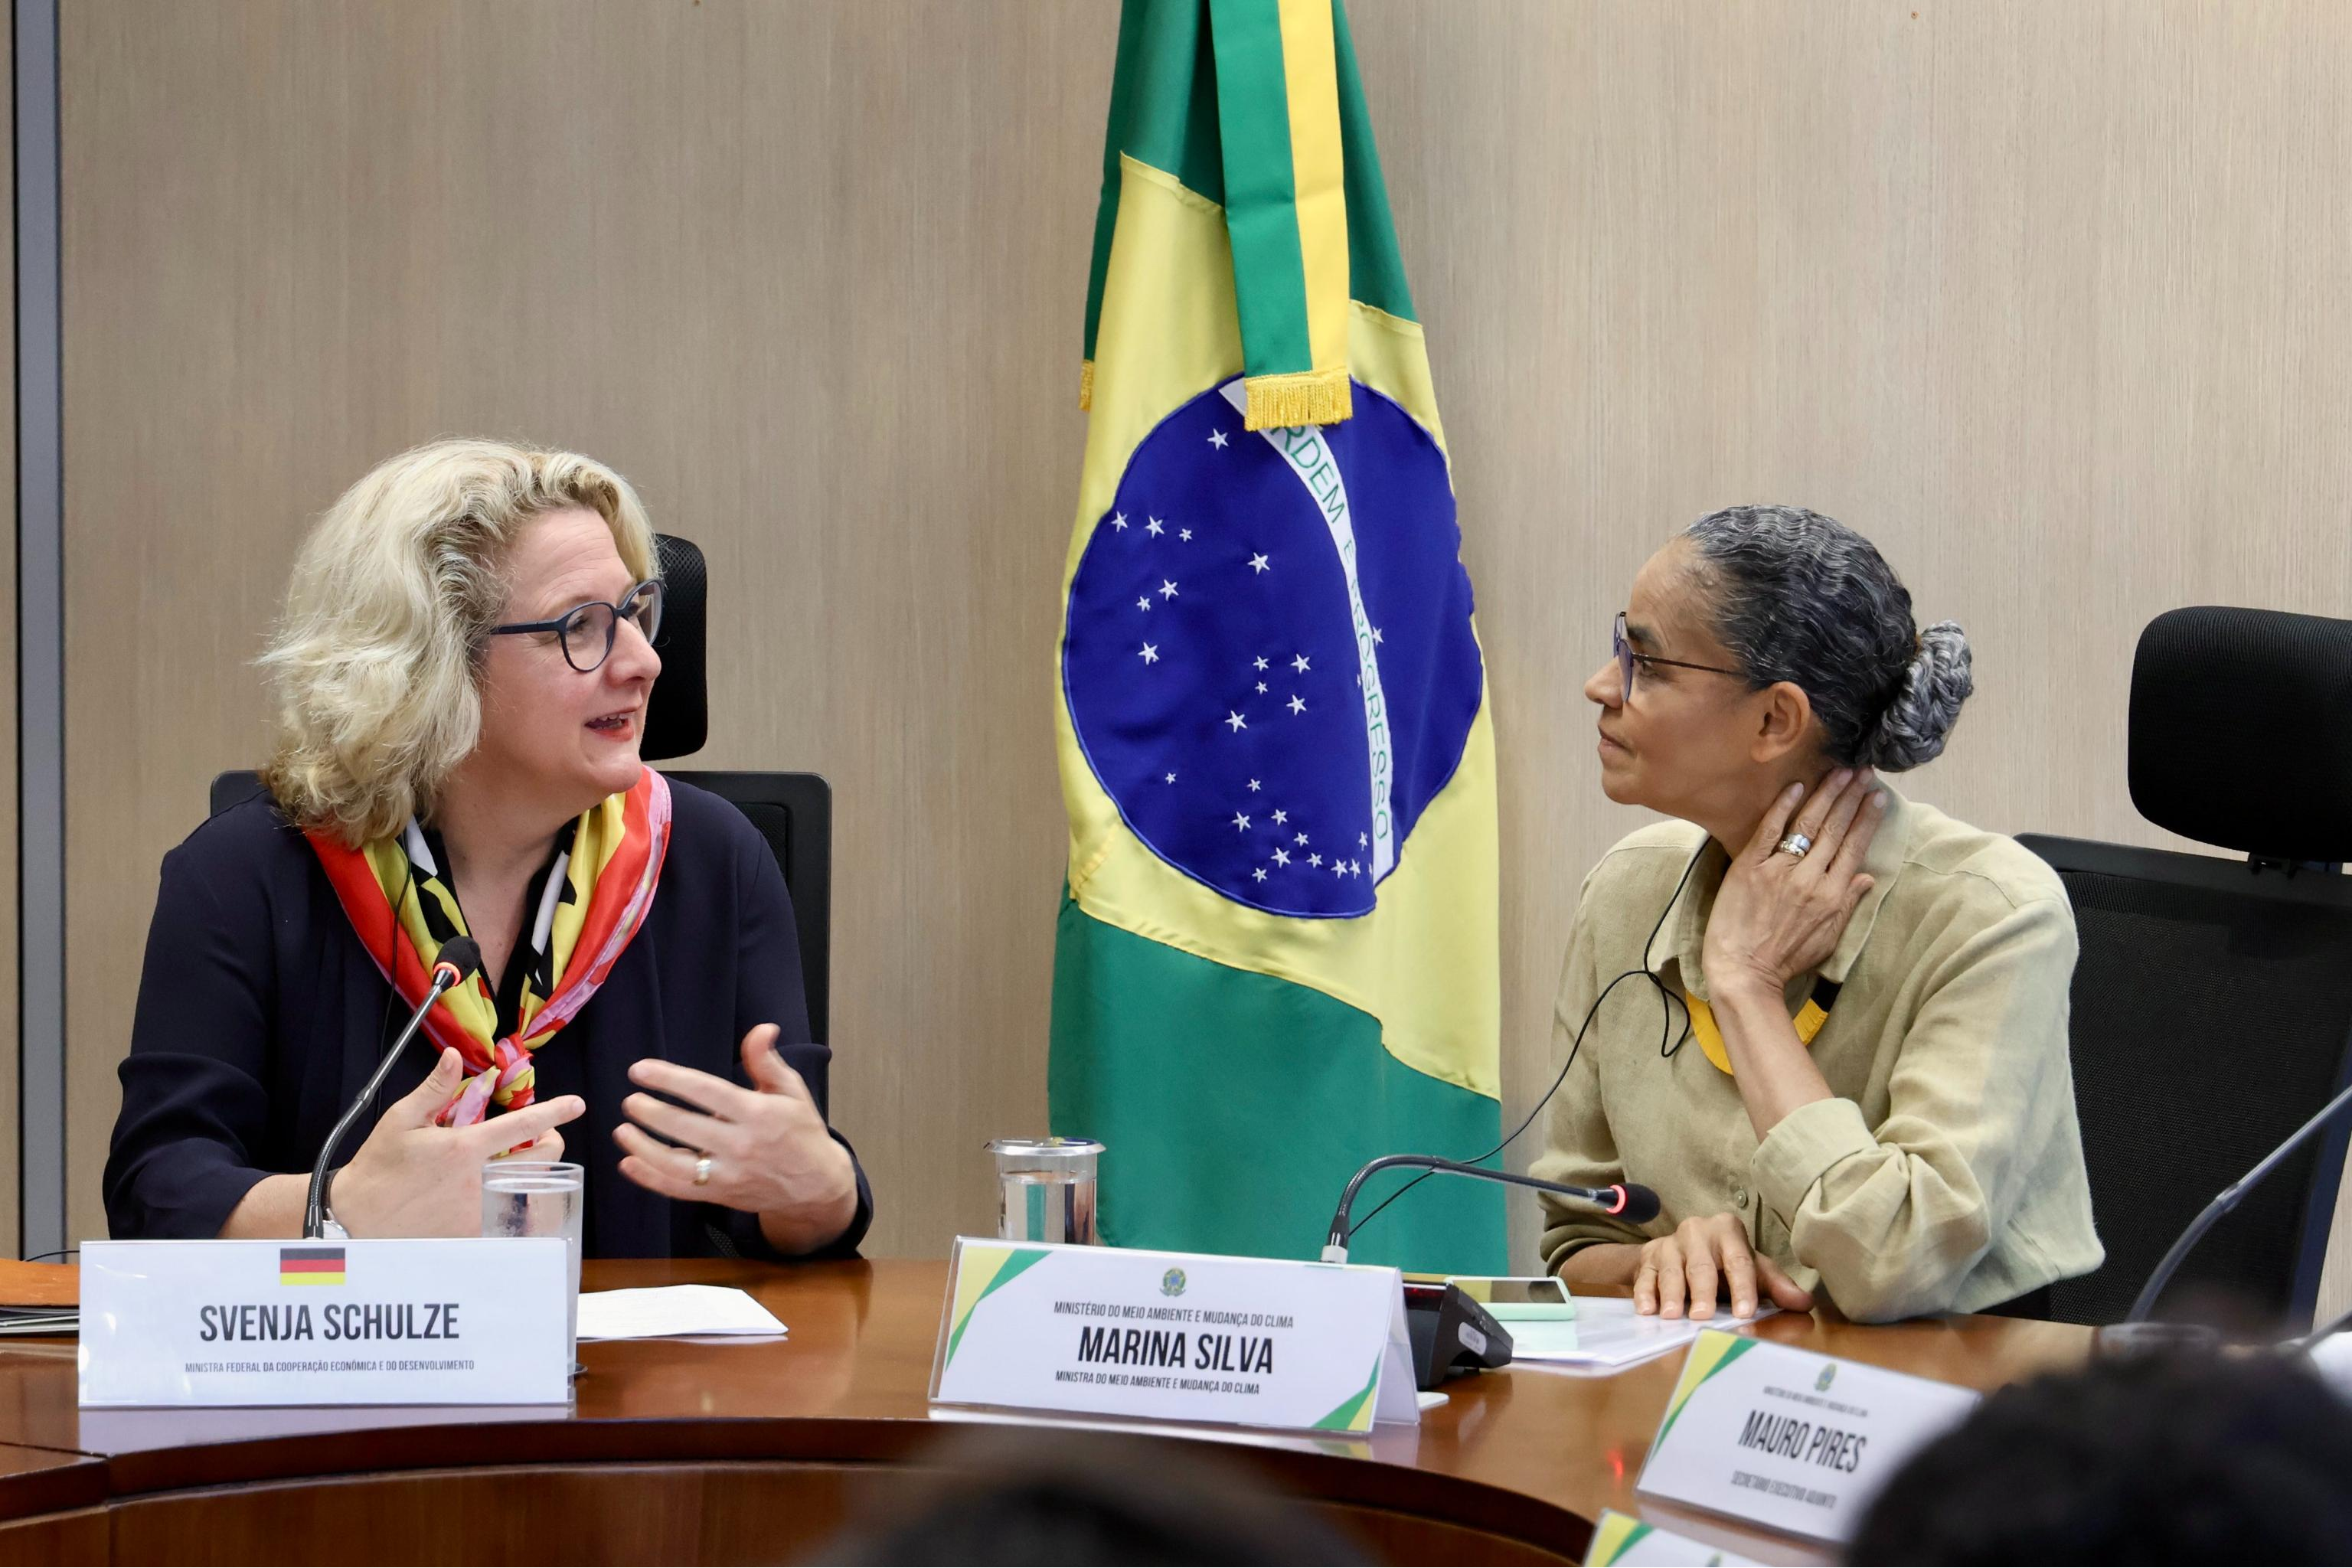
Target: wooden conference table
682	1452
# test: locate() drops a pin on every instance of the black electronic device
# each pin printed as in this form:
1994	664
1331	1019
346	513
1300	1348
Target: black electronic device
1451	1334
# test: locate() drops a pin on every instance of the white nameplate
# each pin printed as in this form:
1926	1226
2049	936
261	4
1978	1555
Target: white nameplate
466	1322
1621	1540
1790	1439
1173	1336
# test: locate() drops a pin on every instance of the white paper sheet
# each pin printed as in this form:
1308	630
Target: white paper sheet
1608	1335
666	1311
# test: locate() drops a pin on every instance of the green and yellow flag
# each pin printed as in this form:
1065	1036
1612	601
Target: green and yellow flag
1277	954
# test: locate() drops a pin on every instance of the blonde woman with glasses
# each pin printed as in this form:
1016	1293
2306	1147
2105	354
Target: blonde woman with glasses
461	680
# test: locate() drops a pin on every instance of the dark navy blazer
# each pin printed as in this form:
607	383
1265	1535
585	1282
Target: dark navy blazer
261	1015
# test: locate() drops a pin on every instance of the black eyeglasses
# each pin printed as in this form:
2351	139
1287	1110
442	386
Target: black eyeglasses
587	631
1627	658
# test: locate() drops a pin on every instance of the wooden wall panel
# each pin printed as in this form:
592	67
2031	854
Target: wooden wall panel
2053	299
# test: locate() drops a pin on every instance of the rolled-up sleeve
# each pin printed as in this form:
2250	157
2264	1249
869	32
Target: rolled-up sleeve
1894	1217
1579	1149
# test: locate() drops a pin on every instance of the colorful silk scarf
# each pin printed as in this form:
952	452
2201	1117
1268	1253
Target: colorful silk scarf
593	900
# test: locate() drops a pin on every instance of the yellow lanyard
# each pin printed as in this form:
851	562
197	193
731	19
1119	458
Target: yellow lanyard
1809	1021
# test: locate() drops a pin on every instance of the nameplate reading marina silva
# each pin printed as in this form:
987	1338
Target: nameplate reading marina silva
1173	1336
464	1322
1790	1439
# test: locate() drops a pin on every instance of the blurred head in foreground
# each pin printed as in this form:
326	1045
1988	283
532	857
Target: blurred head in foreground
2151	1459
1010	1494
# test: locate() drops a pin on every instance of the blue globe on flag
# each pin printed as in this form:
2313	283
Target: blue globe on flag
1268	658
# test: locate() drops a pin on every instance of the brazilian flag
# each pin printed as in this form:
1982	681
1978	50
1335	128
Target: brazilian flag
1276	956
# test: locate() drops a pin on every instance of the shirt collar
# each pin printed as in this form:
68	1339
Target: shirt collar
1685	934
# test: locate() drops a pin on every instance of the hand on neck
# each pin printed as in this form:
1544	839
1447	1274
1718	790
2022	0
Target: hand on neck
1734	826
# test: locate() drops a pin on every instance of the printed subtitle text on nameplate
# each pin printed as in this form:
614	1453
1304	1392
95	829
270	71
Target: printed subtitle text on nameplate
457	1321
1790	1439
1173	1336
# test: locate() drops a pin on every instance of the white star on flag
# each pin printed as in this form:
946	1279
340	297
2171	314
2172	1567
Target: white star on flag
1240	821
1261	688
1167	588
1185	534
1354	869
1257	563
1362	841
1296	704
1172	778
1253	786
1315	860
1144	602
1338	870
1281	857
1217	439
1302	838
1151	654
1376	634
1119	522
1260	663
1259	873
1237	722
1153	528
1280	817
1299	663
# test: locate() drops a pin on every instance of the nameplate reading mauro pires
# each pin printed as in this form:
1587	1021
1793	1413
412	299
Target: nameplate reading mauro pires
1173	1336
195	1323
1790	1439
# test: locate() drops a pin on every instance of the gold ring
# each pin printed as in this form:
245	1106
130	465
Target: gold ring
702	1171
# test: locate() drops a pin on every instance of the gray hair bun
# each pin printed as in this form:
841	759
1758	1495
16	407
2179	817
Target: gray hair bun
1926	705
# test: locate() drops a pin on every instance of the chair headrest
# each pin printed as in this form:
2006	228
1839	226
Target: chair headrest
2241	731
677	714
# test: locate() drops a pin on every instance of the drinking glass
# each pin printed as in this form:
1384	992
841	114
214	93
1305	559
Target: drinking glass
1046	1189
539	1197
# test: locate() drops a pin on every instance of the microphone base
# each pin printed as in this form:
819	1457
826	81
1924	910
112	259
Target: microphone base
2126	1341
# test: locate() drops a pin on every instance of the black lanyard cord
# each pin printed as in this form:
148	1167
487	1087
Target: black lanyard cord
1668	1000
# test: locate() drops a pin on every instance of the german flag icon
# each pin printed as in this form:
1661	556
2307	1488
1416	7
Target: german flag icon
309	1266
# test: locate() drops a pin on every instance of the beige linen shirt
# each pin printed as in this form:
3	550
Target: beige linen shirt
1947	1174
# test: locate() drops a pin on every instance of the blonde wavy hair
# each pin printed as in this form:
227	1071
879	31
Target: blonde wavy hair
374	666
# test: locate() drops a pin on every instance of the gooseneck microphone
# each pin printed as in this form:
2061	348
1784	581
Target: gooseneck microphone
1633	1204
461	956
2226	1200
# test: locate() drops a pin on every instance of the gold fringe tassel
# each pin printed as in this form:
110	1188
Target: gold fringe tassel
1085	384
1304	397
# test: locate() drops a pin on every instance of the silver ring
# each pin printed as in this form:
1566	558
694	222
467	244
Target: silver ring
1796	845
702	1171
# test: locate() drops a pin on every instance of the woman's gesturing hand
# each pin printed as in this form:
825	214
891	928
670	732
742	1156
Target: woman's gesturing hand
1702	1260
1779	915
413	1178
770	1151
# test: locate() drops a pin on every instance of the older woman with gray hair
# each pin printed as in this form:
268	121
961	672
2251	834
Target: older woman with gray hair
1879	1107
461	677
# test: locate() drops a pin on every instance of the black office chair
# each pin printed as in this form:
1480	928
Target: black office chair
794	812
2213	1000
